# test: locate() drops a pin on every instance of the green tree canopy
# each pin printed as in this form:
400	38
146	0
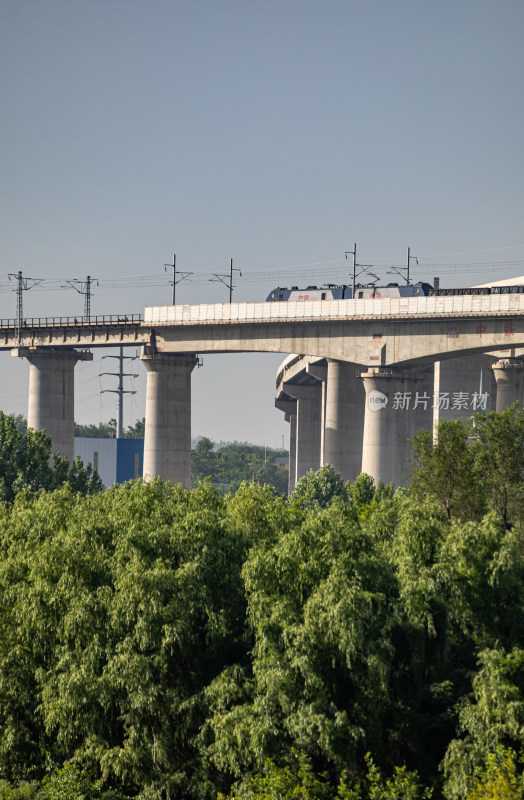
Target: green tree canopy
104	430
317	488
161	644
474	468
232	464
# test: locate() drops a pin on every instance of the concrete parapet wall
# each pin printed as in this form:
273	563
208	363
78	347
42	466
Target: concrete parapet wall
334	309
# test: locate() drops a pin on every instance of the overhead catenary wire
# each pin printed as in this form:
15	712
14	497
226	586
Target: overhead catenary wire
262	275
341	274
332	269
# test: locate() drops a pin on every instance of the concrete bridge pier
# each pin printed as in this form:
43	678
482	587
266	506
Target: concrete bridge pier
462	387
292	479
396	406
308	426
289	407
167	436
51	401
319	372
344	419
509	375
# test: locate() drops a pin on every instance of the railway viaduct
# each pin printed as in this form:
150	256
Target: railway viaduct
374	371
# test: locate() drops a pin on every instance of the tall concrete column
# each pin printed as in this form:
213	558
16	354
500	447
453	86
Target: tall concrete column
289	407
319	371
397	404
344	422
308	426
292	453
463	386
167	437
509	375
51	401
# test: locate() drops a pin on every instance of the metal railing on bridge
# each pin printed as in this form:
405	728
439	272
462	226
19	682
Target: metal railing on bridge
71	322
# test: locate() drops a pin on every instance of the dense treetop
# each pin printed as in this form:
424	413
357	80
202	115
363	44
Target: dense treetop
107	430
351	642
228	466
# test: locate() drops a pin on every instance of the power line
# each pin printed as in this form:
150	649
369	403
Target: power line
24	284
227	280
83	287
120	391
183	275
332	268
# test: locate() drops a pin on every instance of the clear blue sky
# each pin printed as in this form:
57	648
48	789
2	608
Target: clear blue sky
274	133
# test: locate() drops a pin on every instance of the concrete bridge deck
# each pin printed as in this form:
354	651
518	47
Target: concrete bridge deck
377	332
99	331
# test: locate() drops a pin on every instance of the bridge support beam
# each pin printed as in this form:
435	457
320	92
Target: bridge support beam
51	401
344	419
509	375
167	436
308	426
397	405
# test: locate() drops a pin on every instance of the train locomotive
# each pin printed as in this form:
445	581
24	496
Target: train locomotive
363	292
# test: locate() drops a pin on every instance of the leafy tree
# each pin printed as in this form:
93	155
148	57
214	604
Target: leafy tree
107	430
301	782
403	785
104	430
270	473
499	452
70	783
25	463
66	783
318	600
493	719
203	459
498	780
158	643
232	464
317	488
43	573
24	791
472	469
84	480
446	469
118	609
275	783
332	678
362	491
136	431
20	422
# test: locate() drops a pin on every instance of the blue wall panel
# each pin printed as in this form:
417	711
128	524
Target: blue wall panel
127	463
